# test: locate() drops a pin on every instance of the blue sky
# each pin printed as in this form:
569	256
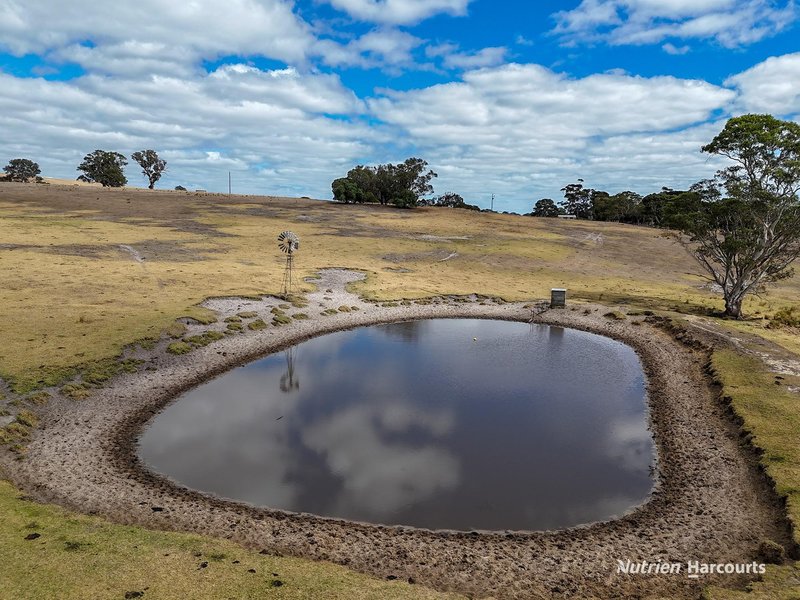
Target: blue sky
513	98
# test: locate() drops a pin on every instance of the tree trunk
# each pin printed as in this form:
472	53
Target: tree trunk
733	307
151	185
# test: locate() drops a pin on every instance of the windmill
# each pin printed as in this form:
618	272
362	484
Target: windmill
288	243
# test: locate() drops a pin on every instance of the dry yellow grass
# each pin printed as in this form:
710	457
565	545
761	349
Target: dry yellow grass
72	290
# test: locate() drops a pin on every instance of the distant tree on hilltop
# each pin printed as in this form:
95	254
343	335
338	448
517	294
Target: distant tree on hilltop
578	200
152	165
21	169
104	167
545	208
401	185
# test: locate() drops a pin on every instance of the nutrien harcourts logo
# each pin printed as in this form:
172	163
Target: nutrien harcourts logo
693	569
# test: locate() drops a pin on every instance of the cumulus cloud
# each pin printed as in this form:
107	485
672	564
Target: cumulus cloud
770	86
384	47
380	475
237	117
517	127
206	28
505	128
731	23
670	48
487	57
399	12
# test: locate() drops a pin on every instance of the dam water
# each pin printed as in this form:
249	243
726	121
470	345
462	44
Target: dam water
445	424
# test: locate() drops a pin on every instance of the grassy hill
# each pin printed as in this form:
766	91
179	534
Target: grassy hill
86	271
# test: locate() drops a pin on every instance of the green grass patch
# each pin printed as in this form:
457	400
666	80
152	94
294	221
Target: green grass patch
38	398
235	319
248	314
204	339
281	319
345	309
76	557
257	325
175	330
204	316
17	431
770	413
300	316
76	391
27	418
179	348
772	419
234	327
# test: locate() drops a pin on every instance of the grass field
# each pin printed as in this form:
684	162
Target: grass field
772	418
86	271
81	557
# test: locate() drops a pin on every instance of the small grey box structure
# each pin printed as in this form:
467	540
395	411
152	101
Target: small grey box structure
558	298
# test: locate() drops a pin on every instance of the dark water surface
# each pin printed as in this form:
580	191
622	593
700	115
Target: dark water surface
416	423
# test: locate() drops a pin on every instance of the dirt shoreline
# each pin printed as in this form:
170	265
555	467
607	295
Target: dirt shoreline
710	503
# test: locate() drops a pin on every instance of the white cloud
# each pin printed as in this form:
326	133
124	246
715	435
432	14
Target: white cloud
237	117
487	57
385	48
731	23
380	475
205	28
770	86
670	48
399	12
524	127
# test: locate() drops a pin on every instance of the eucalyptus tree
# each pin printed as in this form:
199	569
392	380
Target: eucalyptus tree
745	231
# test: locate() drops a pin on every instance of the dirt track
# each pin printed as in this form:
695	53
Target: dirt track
710	501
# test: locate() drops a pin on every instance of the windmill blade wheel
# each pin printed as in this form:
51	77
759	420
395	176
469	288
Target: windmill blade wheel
288	242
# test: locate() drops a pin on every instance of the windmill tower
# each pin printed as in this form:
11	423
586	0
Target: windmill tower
288	243
289	382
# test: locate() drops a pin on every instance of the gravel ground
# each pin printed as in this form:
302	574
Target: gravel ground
710	502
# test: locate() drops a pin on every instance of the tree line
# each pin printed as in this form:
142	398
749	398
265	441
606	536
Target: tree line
101	166
742	225
660	209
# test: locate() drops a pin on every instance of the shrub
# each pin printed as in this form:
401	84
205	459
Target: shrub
788	316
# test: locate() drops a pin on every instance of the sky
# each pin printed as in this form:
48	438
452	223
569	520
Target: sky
515	99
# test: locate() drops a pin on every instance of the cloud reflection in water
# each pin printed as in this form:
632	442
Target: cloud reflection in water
527	427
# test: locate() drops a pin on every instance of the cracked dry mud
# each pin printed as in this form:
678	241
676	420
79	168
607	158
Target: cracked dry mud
710	501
